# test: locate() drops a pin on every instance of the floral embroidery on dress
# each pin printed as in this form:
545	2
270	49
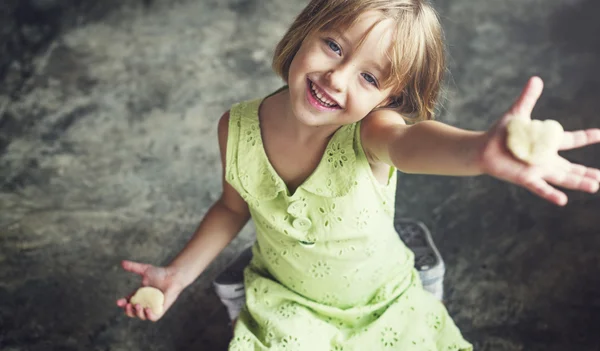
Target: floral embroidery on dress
241	343
344	247
270	335
297	285
266	223
330	215
374	278
244	178
389	337
272	256
336	155
330	299
231	174
383	294
434	321
362	219
290	343
290	248
320	269
251	135
370	249
287	309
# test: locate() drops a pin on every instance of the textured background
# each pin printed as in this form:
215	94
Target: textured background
108	151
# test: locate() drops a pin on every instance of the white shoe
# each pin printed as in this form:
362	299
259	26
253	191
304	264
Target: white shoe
229	284
428	260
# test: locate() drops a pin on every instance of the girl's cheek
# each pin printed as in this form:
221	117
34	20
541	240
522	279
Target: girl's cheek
310	62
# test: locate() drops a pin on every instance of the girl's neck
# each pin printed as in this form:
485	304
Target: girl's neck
287	123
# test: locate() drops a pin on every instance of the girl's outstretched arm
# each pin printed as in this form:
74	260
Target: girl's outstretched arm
435	148
428	147
221	224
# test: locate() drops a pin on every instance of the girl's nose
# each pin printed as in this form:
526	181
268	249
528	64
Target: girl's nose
337	78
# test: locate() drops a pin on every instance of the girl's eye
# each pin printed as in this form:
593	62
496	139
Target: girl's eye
334	47
369	78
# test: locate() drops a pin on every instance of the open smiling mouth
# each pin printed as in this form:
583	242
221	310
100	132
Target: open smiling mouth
320	98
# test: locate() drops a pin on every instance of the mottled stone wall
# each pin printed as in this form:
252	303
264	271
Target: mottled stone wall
108	151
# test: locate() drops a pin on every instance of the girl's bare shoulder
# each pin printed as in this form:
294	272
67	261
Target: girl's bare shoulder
378	129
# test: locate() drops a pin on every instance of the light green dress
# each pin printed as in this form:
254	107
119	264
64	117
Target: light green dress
329	271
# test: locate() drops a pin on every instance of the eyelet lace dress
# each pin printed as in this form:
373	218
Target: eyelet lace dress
329	271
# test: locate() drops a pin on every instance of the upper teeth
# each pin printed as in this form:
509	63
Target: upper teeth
320	96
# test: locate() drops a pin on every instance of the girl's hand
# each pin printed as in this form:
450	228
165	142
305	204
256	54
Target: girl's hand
497	161
163	278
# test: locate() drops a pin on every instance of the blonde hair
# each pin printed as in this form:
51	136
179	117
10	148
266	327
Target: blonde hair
417	56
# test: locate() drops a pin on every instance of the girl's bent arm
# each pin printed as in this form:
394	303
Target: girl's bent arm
222	223
428	147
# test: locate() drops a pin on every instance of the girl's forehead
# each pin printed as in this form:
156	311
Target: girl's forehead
370	34
368	25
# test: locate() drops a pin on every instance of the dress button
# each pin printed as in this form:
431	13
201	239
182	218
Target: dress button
302	223
307	243
296	207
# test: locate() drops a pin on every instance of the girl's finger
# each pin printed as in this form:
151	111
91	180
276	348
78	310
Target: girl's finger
573	181
528	98
581	170
151	316
577	169
539	187
580	138
125	300
140	312
587	172
134	267
129	310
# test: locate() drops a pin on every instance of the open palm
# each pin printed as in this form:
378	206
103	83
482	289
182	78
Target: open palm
498	162
162	278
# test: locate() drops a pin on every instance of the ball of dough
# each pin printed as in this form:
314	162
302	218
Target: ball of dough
533	141
149	297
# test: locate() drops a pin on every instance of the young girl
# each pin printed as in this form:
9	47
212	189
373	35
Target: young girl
314	165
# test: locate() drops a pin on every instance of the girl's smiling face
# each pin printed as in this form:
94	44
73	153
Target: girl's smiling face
336	78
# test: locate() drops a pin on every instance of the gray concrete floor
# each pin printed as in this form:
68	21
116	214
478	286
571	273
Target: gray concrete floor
108	151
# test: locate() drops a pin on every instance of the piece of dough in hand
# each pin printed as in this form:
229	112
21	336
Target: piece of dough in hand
149	297
533	141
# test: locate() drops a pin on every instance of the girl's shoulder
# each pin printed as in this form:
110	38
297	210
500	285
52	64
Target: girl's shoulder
376	131
223	127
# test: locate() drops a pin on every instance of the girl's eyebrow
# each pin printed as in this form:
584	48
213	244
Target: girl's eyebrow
341	36
377	66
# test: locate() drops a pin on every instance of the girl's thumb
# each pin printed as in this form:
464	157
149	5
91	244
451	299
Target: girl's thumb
529	96
134	267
